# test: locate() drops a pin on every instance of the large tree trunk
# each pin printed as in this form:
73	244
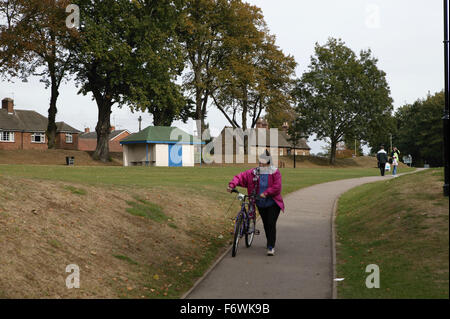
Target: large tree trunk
244	119
51	126
103	128
333	151
199	116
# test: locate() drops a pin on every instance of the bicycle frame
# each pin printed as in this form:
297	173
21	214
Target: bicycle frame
247	207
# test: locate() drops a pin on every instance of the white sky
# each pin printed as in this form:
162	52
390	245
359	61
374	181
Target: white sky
405	35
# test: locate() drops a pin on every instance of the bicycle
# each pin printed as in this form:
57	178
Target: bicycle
244	219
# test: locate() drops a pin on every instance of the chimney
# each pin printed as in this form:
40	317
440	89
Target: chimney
113	128
87	130
261	123
265	124
8	104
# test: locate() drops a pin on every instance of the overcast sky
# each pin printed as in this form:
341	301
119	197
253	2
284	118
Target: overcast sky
405	35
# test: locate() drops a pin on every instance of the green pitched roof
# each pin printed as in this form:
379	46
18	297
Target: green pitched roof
160	134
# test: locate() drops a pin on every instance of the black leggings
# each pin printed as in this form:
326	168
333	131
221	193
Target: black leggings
269	216
382	167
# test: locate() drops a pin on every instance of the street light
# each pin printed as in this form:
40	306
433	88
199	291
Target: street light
390	149
446	115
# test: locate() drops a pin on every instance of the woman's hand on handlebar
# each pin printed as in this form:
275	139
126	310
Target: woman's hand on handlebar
231	190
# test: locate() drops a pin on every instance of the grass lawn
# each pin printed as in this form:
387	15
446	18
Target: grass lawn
402	226
197	179
136	232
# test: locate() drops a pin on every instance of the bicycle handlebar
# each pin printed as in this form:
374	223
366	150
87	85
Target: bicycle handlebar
254	196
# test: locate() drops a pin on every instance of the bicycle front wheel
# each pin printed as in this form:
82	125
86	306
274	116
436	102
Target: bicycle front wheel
237	234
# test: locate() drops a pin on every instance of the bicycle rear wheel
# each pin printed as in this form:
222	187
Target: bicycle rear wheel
237	234
249	237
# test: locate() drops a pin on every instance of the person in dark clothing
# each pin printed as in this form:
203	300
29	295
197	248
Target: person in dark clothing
382	159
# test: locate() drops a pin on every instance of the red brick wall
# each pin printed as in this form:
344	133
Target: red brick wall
27	145
114	145
344	153
61	141
22	141
17	145
85	144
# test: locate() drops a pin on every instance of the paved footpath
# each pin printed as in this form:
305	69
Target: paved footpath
303	263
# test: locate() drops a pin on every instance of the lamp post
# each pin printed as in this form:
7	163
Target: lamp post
390	139
294	141
446	115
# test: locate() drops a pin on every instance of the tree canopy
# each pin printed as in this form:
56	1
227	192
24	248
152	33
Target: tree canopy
420	130
255	75
342	94
33	42
127	54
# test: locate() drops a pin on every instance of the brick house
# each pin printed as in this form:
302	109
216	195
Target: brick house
25	130
88	140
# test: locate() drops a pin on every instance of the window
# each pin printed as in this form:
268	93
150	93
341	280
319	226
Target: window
69	138
6	136
38	138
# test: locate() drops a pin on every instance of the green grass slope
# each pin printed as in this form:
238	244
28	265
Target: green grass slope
402	226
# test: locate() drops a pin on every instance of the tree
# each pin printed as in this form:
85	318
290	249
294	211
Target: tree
254	74
342	94
201	35
295	135
164	99
420	130
381	133
33	41
128	52
349	142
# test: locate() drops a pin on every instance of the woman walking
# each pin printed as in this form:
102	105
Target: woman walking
267	181
395	160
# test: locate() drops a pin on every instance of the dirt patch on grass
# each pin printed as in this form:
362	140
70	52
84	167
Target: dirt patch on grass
45	226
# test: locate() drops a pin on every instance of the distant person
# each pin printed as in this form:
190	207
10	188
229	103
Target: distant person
382	158
395	155
267	181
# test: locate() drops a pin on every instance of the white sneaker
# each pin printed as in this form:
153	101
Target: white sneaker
270	251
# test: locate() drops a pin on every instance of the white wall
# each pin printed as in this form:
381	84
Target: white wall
125	155
188	155
156	152
162	154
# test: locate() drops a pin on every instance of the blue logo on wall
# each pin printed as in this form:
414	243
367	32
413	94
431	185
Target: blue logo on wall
175	155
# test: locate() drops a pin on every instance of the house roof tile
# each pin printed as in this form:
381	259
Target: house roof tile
93	135
29	121
163	134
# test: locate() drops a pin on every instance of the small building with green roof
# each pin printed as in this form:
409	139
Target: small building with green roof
160	146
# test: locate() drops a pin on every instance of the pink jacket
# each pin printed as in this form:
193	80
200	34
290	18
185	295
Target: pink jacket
245	179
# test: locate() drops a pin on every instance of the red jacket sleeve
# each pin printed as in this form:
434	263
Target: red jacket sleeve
239	180
275	188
